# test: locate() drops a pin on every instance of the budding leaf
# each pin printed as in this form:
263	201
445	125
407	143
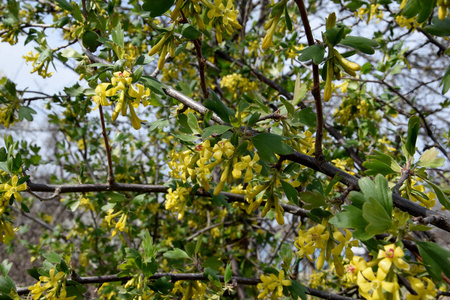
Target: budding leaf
413	132
360	43
314	52
429	160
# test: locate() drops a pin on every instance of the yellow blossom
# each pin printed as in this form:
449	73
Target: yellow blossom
249	165
344	241
14	189
427	292
373	287
273	283
391	255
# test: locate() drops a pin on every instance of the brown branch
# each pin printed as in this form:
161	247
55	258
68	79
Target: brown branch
437	218
316	80
186	276
108	149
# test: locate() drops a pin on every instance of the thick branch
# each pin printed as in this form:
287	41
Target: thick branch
187	276
436	218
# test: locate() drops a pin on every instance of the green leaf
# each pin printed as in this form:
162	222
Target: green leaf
443	199
334	35
413	132
119	137
153	84
6	285
426	10
144	59
439	27
290	191
70	52
198	244
26	112
190	32
362	44
117	35
159	124
219	108
5	267
381	163
150	250
436	258
308	117
213	262
299	91
215	130
228	273
376	216
176	254
53	258
157	7
288	19
268	144
313	199
212	276
289	107
411	9
297	290
428	159
90	40
315	52
193	123
446	81
64	5
184	137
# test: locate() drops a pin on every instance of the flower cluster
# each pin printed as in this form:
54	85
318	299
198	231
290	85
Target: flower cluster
119	225
237	83
39	65
53	285
127	95
274	284
371	12
10	190
222	18
177	199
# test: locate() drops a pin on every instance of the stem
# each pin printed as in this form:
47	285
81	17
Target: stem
108	149
316	89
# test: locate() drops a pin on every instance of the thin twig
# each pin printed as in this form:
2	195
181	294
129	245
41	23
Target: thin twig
108	149
316	81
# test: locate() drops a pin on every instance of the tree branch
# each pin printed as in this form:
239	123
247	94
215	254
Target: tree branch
316	80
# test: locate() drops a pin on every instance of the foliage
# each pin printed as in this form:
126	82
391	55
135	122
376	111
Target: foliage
225	149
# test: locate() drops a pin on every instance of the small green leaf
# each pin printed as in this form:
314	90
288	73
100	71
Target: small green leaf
190	32
5	267
315	52
299	91
64	5
53	258
176	254
376	216
290	191
428	159
228	273
90	40
411	9
443	199
213	262
198	244
117	35
297	290
413	132
159	124
215	130
193	123
439	27
219	108
70	52
436	258
313	199
119	137
157	7
381	163
362	44
288	19
26	112
6	285
144	59
268	144
446	80
307	117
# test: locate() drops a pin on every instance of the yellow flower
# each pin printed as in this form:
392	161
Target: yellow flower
391	254
356	265
120	225
344	241
6	231
52	279
367	281
37	290
221	148
100	95
140	94
14	189
249	165
423	293
272	282
123	77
